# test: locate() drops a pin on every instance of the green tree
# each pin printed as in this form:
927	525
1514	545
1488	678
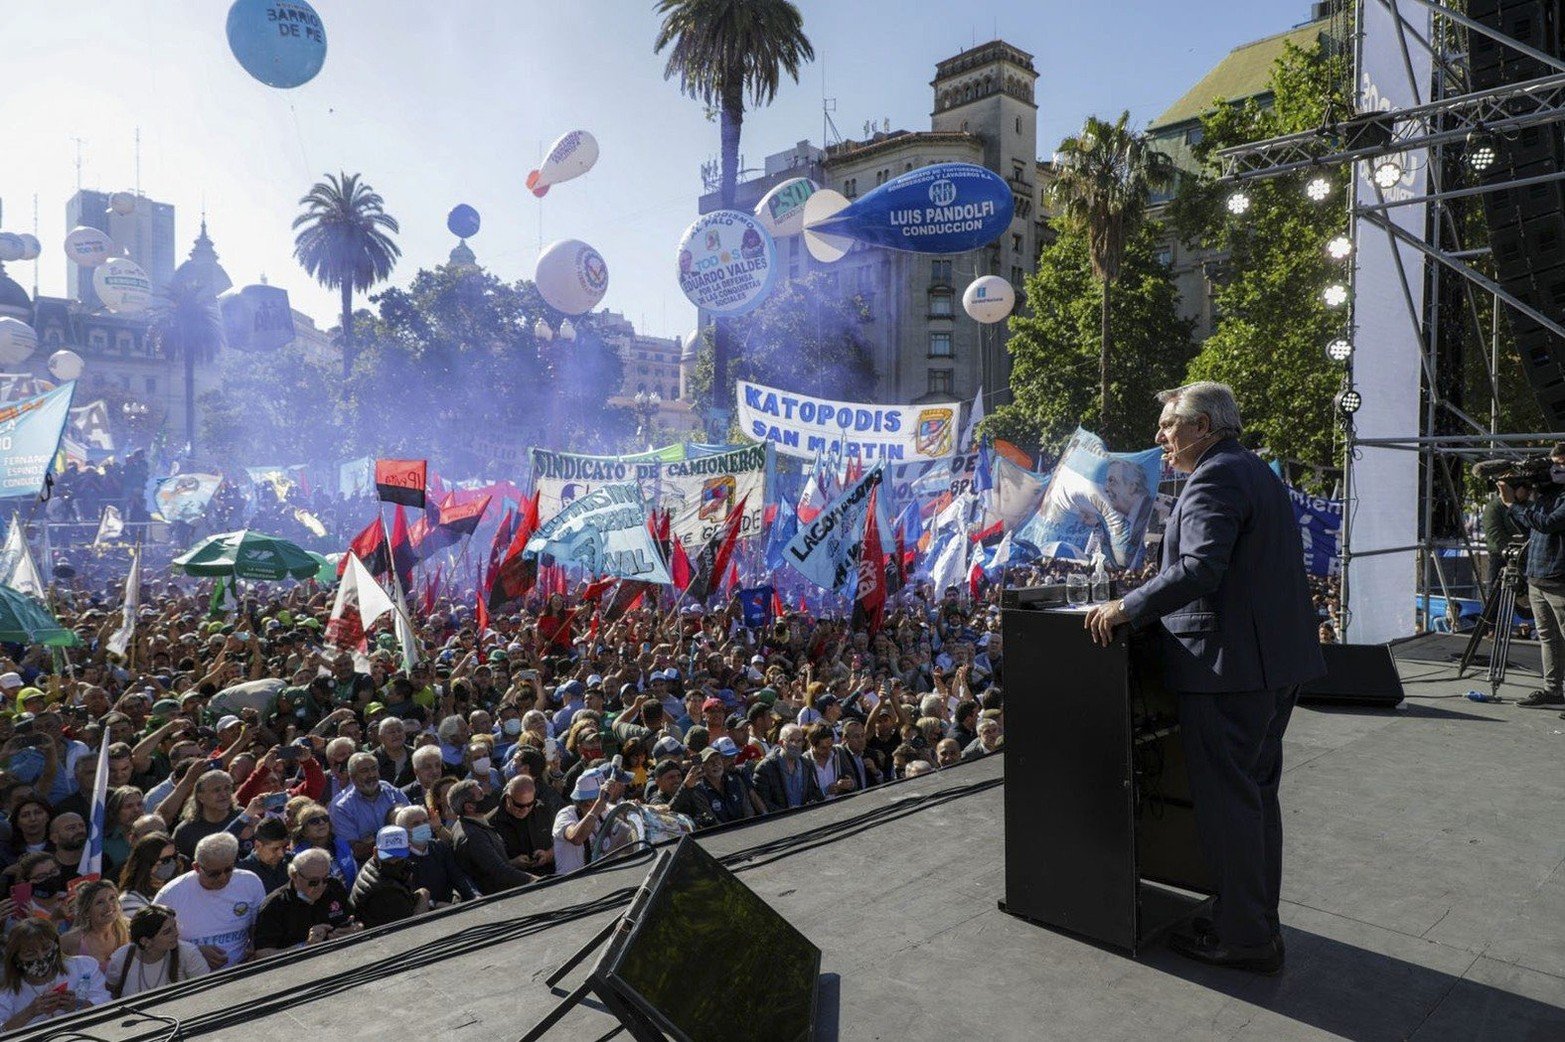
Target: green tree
1104	177
723	51
1273	326
343	243
806	338
184	323
1056	343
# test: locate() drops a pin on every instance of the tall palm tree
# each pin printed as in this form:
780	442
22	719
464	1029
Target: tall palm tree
344	244
722	52
184	324
1103	178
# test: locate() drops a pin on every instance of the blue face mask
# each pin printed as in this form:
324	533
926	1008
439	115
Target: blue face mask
512	727
421	834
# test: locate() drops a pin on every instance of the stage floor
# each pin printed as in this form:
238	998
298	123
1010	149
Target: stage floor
1424	899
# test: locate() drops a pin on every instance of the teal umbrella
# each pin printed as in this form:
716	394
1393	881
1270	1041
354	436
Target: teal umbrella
327	568
248	555
25	621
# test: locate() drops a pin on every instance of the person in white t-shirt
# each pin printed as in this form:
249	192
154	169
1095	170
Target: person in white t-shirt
577	823
216	902
39	983
155	955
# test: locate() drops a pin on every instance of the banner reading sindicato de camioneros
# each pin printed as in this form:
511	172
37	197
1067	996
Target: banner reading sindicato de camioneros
804	426
700	492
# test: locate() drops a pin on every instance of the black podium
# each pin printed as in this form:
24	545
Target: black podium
1100	836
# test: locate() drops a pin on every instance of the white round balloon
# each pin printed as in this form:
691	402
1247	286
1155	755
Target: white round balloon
31	247
65	365
17	341
122	285
572	277
782	209
122	203
988	299
12	248
89	247
727	262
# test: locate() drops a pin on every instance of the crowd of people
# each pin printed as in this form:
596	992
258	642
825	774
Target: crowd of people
267	790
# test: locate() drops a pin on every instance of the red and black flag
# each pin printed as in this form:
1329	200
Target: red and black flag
402	553
448	523
711	566
370	547
497	548
626	596
679	566
869	602
401	481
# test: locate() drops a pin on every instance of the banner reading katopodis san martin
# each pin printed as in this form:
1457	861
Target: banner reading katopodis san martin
700	492
803	426
29	437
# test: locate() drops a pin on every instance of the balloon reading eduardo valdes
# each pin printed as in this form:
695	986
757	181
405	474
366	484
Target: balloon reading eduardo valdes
727	262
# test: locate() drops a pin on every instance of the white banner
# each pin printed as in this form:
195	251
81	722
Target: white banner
605	533
804	427
700	493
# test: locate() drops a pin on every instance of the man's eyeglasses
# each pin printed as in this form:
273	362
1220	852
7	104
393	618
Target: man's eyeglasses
313	881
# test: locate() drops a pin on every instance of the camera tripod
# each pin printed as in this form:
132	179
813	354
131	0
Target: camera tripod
1498	612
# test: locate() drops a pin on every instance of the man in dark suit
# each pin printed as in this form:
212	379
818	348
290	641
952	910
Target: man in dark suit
1231	614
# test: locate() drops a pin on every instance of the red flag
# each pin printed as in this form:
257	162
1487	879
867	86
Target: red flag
731	581
597	588
592	630
712	564
452	521
777	604
401	481
431	590
870	598
497	548
402	554
481	613
680	567
626	597
516	574
370	547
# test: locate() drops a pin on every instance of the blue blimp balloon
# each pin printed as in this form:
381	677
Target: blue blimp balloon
462	221
282	43
945	208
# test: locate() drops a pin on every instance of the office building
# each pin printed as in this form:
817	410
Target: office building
146	233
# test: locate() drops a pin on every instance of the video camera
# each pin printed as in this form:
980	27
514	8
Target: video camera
1518	472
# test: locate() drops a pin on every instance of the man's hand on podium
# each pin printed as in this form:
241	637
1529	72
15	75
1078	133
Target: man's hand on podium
1101	620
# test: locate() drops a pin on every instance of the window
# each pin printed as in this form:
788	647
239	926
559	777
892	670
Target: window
940	272
940	381
1018	170
98	340
1018	124
1017	274
1016	243
850	187
1165	256
150	383
880	176
940	306
1194	135
940	345
124	383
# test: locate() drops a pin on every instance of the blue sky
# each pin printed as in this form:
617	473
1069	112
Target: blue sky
441	103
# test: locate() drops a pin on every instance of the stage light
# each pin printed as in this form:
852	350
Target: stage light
1317	188
1349	402
1335	295
1239	203
541	331
1340	349
1340	248
1482	150
1388	172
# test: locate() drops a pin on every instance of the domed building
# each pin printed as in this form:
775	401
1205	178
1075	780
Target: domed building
202	269
14	301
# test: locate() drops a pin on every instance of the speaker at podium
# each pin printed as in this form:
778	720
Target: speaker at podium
1100	837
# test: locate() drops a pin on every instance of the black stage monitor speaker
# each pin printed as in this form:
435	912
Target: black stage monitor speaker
699	954
1356	674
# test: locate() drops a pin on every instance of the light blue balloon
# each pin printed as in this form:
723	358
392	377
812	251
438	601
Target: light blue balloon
282	43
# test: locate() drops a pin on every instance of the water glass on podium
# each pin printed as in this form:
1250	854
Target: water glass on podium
1076	589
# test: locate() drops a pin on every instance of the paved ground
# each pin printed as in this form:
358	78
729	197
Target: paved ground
1423	899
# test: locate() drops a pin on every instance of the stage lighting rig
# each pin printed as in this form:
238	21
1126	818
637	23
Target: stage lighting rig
1239	203
1335	295
1339	248
1318	188
1349	402
1483	149
1340	349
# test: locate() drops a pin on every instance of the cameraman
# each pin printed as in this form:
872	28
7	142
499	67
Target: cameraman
1542	512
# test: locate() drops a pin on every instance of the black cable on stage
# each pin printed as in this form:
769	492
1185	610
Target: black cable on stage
485	935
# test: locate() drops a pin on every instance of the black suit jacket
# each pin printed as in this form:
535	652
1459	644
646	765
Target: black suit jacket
770	784
1231	604
481	853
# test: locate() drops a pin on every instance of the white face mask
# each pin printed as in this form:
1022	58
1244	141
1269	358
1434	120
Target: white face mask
481	765
512	727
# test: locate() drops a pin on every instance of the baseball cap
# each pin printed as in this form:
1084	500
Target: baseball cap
668	745
594	681
27	694
766	695
727	746
712	704
709	752
825	702
587	787
657	675
664	766
10	681
392	841
165	707
571	687
227	722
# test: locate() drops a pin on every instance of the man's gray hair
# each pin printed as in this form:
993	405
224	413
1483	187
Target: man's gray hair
391	723
217	849
358	760
1206	398
313	857
426	756
463	793
450	729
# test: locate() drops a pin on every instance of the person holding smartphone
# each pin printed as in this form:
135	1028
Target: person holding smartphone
39	982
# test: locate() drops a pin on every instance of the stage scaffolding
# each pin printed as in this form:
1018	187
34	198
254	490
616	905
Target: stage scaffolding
1423	133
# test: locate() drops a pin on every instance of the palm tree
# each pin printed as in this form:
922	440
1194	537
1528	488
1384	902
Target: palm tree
344	244
723	51
184	323
1103	178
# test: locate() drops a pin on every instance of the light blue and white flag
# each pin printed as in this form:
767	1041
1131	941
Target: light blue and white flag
30	433
603	532
826	551
1097	501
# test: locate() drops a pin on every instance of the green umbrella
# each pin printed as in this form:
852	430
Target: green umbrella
24	621
327	568
247	555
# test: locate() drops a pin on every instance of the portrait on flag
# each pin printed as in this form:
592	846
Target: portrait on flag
1097	502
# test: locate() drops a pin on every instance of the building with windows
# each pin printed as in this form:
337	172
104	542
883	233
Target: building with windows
146	233
924	346
652	368
1243	75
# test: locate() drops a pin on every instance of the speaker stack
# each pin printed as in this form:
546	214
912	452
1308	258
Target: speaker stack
1527	225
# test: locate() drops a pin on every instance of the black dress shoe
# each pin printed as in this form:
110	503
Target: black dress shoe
1265	958
1201	926
1542	700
